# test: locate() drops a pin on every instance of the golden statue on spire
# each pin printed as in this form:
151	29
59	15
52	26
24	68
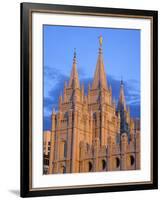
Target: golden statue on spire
100	40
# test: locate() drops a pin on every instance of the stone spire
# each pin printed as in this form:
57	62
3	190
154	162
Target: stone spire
122	102
122	109
100	76
74	80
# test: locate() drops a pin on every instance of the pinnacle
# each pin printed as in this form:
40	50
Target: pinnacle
122	96
74	80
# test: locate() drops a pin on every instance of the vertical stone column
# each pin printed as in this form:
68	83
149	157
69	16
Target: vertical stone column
91	127
103	136
51	162
109	154
82	94
57	144
137	150
69	141
138	160
124	142
118	122
74	143
77	141
98	125
65	97
96	151
82	156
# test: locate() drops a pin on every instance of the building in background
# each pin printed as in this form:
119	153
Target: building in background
90	133
46	151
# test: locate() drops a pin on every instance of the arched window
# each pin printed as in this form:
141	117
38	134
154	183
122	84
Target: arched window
90	166
117	162
103	164
132	160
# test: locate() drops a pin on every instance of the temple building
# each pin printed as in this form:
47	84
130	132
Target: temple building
90	133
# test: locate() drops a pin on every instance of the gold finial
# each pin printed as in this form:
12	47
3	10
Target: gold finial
100	40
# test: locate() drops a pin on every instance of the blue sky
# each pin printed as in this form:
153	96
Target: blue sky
121	52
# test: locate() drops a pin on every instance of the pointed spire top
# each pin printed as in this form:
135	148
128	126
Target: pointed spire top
100	75
110	88
122	101
60	98
65	85
53	110
74	58
74	80
121	82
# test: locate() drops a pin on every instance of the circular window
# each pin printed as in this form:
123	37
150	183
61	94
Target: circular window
132	160
103	164
117	162
90	166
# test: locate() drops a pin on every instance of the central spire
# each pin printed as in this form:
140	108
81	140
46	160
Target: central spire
74	80
100	75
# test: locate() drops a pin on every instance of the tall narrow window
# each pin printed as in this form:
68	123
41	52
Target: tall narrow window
117	162
132	160
103	164
90	166
65	148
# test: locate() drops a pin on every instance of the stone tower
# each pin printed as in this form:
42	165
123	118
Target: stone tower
89	133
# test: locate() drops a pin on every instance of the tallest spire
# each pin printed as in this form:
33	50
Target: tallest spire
100	75
74	80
